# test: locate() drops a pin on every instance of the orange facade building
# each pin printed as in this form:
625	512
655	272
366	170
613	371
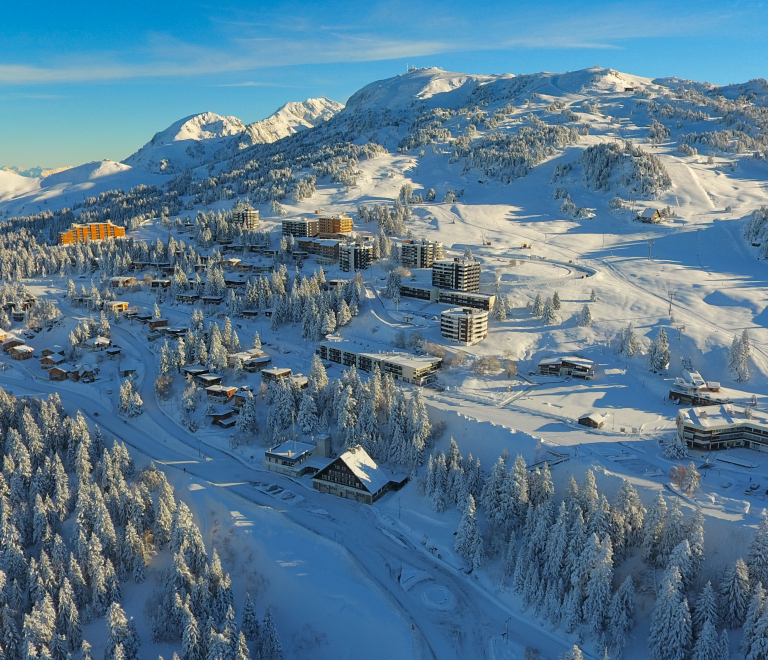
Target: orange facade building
335	224
93	231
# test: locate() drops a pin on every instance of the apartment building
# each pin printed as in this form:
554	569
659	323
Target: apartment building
301	227
335	224
420	254
456	274
93	231
415	369
246	216
464	325
355	257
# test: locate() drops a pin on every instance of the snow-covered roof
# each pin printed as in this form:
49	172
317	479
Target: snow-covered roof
649	213
218	389
55	357
712	417
277	371
217	409
597	418
291	449
23	348
98	341
365	469
64	367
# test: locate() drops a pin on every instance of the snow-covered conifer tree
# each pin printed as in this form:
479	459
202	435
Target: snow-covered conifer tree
754	612
548	314
734	592
670	635
658	353
556	304
572	654
707	646
270	646
538	306
598	591
757	554
653	529
621	616
469	542
706	609
585	318
247	420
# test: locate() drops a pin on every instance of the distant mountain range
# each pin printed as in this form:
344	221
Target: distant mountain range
474	129
195	140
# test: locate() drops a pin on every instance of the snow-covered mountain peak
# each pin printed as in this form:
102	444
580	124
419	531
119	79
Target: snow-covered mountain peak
290	118
205	126
208	137
435	87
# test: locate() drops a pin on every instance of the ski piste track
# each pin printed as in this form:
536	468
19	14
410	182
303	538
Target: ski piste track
453	617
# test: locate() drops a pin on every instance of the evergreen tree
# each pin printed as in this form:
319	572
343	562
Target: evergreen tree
707	646
754	612
653	529
598	592
758	648
250	623
734	592
548	314
572	654
538	306
706	609
621	616
270	646
757	554
670	635
469	543
585	318
556	304
658	353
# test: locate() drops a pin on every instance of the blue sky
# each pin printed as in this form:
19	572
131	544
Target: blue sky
84	81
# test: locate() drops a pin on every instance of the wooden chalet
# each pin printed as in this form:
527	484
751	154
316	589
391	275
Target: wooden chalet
116	306
154	324
22	352
593	420
223	416
9	344
650	216
220	393
355	475
52	360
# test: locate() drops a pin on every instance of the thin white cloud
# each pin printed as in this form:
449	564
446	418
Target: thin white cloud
275	41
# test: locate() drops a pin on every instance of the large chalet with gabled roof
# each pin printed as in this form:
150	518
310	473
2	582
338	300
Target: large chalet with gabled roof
355	475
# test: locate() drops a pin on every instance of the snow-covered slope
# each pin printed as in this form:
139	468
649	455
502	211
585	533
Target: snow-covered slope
185	143
12	184
198	139
24	195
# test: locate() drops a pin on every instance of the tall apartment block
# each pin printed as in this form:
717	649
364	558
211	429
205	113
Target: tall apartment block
93	231
463	325
456	274
355	257
420	254
246	216
335	224
301	228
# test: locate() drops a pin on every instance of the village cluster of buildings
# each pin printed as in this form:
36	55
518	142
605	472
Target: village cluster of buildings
54	361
